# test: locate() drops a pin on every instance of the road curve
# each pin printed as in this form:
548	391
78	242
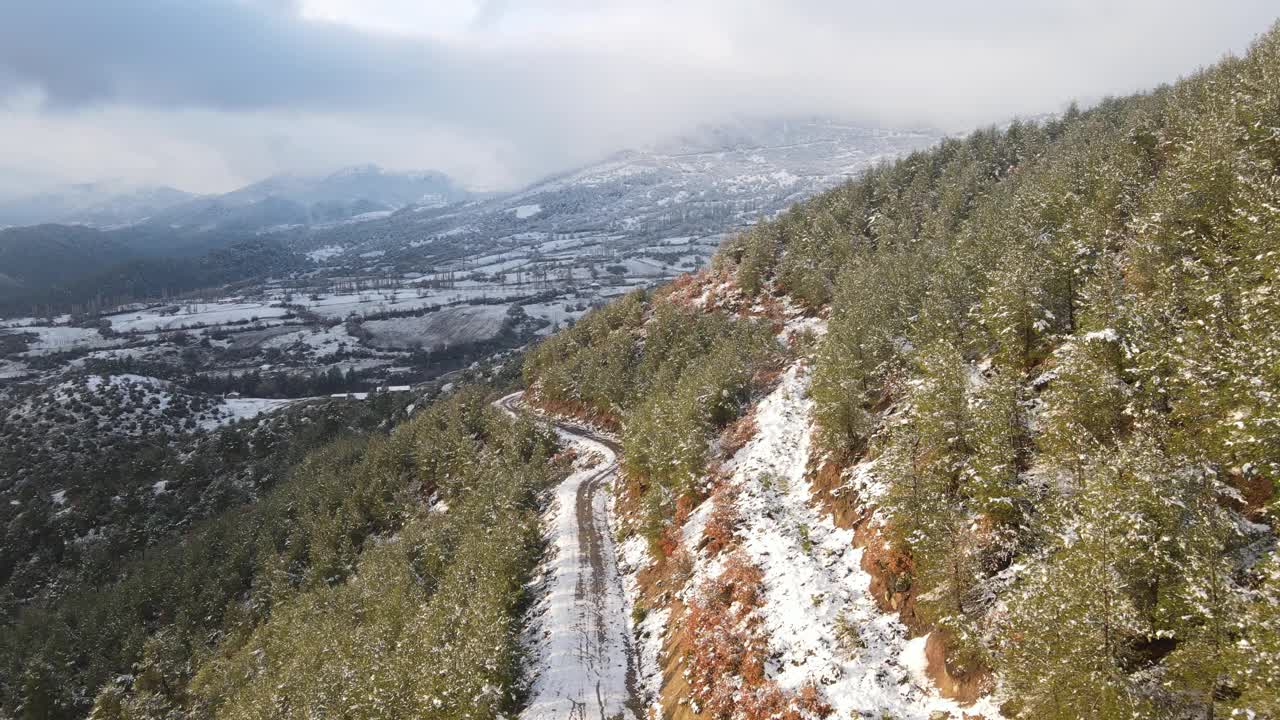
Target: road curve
582	659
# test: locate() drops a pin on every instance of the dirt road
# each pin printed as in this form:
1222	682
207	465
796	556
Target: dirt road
583	663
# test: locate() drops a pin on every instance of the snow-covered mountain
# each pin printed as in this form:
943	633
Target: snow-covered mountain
290	200
362	183
695	187
765	164
101	204
698	184
281	200
639	216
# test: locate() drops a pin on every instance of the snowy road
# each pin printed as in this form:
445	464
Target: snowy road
581	657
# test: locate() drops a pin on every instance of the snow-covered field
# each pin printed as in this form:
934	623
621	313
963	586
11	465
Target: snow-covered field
337	306
61	338
18	322
319	343
325	253
10	369
524	212
234	409
191	315
554	313
444	328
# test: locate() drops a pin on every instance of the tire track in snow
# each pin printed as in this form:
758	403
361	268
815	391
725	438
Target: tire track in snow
582	662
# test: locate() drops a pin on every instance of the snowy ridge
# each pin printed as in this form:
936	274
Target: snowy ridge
823	624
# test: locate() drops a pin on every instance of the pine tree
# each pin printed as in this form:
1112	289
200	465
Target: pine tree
1254	660
1202	608
925	465
1064	636
1017	308
1085	404
1001	442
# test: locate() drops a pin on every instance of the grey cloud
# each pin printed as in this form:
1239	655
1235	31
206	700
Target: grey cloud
537	85
207	53
230	56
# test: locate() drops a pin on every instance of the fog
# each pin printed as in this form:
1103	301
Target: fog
207	95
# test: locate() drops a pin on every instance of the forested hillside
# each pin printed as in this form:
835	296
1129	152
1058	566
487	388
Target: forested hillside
384	576
96	472
51	269
690	376
34	258
1048	381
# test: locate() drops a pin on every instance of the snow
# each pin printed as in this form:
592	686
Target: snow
324	253
525	212
445	328
190	315
126	353
61	338
96	381
368	302
814	583
317	343
365	217
155	400
1104	335
579	634
865	484
913	658
147	397
554	312
10	369
18	322
633	555
233	409
799	326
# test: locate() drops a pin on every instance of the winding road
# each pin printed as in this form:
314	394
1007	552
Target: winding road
582	657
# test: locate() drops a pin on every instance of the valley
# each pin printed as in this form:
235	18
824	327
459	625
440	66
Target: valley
436	283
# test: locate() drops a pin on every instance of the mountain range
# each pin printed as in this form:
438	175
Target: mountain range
697	186
280	200
97	204
689	192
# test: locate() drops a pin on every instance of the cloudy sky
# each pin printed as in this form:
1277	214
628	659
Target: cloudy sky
207	95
